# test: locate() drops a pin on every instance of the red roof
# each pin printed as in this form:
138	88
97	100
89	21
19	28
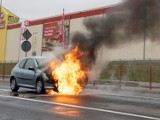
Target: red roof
67	17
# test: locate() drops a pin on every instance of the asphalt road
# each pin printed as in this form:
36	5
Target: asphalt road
27	105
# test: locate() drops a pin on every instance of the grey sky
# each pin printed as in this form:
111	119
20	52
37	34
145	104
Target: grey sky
35	9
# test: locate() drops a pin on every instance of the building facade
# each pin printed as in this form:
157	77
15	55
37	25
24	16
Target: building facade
42	40
45	38
6	18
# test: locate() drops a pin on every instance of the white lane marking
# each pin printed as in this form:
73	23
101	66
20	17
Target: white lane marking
139	97
82	107
5	90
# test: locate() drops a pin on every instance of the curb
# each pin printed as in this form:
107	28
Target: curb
127	83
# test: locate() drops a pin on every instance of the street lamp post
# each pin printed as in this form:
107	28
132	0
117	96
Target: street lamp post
144	46
0	8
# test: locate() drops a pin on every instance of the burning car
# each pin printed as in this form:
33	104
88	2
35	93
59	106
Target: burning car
34	73
67	76
70	73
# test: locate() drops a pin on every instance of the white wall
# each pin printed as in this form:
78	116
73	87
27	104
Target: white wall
77	25
36	39
131	51
128	51
14	51
13	45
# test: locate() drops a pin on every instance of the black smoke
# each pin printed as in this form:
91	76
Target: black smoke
128	22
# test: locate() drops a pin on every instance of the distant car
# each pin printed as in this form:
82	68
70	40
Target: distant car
34	73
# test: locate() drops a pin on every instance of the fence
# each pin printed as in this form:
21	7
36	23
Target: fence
135	71
5	68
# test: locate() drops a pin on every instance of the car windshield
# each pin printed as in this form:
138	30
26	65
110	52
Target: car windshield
42	62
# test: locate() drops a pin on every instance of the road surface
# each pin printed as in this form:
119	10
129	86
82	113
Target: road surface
89	105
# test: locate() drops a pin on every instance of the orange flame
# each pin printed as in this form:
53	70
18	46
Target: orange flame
70	76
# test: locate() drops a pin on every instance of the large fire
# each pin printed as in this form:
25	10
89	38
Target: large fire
70	75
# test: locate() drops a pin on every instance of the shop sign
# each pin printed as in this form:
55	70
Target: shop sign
49	30
13	19
2	15
2	22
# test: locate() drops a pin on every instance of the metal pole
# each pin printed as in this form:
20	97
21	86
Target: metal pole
63	20
68	42
20	38
150	77
0	9
144	46
3	70
120	74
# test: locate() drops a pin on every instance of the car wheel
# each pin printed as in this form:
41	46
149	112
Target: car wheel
40	87
13	85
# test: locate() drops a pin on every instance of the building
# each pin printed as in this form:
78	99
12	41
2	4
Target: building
45	32
6	18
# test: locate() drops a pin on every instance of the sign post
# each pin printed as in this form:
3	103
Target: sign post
26	45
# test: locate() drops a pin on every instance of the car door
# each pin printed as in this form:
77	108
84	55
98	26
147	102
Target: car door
29	74
18	70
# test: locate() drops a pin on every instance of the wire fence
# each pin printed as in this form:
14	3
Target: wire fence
132	71
6	67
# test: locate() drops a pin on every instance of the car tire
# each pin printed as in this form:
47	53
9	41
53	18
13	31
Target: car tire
40	87
13	85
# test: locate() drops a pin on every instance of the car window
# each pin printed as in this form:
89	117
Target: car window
21	64
30	63
41	62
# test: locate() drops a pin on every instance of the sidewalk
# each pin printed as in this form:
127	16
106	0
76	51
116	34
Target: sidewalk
134	90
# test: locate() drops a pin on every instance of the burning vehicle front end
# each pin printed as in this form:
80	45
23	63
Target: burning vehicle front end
49	82
70	73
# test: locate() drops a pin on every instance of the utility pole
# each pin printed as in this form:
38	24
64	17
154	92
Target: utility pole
144	46
0	8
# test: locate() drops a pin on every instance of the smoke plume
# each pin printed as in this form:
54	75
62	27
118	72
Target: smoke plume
131	21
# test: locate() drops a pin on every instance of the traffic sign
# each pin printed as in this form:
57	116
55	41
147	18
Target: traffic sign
26	23
26	46
27	34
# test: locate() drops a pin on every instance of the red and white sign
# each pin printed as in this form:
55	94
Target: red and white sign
1	15
22	31
2	24
26	23
49	30
2	21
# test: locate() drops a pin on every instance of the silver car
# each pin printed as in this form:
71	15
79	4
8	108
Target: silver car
34	73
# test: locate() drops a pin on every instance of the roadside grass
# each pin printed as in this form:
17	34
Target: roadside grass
141	71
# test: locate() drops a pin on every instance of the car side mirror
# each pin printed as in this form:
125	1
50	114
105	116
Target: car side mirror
31	68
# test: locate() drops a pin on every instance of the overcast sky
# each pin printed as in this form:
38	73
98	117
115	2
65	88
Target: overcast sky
36	9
